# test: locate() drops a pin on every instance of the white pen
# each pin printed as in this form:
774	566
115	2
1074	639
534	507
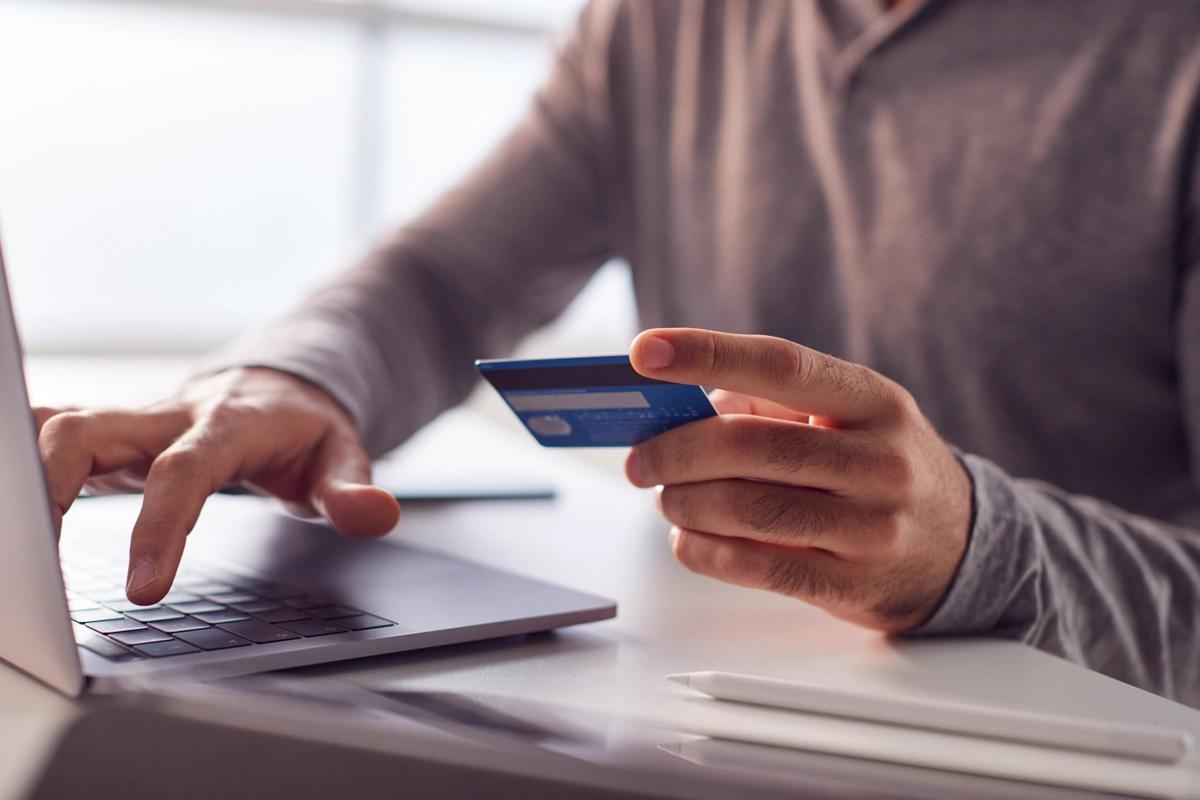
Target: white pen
1144	742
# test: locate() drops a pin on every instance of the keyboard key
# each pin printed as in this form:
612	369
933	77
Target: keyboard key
92	593
364	622
180	596
274	591
172	647
177	625
108	649
154	615
259	631
304	601
80	604
94	615
107	586
86	588
196	607
249	584
124	606
313	627
145	636
212	639
229	598
116	625
187	573
186	576
282	614
224	615
333	612
205	587
255	606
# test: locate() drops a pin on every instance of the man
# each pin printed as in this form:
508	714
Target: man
986	213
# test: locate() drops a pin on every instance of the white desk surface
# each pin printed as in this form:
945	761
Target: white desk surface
600	689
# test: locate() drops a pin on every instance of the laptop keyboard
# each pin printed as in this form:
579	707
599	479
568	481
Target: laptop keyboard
206	609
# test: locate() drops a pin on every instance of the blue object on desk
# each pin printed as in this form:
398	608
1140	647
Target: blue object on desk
598	401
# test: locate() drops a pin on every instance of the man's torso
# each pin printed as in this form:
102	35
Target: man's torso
983	204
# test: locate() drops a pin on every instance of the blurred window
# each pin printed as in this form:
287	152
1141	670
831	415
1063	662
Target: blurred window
172	171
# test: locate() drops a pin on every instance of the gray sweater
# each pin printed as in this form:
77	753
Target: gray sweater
994	202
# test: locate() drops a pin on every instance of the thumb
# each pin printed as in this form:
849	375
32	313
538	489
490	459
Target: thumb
342	492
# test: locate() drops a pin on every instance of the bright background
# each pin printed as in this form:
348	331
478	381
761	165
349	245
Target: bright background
172	171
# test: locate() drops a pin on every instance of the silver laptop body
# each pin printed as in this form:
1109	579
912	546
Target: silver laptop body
256	590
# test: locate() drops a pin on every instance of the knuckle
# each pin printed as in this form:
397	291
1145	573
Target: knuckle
230	412
684	452
897	473
796	366
178	462
678	507
859	383
787	449
686	550
710	353
889	528
743	437
68	426
771	514
705	556
841	456
650	460
896	402
728	561
862	384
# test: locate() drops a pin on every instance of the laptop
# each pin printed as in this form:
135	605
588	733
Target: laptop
256	590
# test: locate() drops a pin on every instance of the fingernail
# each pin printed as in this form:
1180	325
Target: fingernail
142	575
657	353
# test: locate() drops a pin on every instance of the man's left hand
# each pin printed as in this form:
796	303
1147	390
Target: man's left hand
820	479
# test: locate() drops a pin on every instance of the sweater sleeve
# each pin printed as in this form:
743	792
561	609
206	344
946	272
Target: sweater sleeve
393	339
1082	579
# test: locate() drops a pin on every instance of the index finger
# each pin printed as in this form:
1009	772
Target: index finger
774	369
178	483
77	445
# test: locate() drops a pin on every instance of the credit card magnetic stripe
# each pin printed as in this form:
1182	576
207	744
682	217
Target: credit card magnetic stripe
566	373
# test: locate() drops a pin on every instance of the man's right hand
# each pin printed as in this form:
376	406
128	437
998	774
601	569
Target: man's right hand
264	429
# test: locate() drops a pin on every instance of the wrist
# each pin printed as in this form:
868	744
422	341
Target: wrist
1000	549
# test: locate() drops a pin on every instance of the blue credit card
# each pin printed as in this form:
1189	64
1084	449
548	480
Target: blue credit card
600	401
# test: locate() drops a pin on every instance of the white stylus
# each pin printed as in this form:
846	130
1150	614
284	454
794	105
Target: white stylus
1143	742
